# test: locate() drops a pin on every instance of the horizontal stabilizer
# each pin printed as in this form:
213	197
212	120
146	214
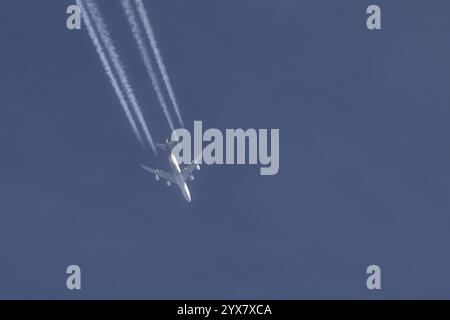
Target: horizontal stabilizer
161	146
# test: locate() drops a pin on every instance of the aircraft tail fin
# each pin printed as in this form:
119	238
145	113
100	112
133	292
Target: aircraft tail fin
172	144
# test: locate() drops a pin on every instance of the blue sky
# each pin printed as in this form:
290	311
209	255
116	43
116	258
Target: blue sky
364	158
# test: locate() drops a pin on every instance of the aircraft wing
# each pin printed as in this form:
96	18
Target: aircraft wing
162	174
187	171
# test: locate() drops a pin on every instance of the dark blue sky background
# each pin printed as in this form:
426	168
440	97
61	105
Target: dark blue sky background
364	153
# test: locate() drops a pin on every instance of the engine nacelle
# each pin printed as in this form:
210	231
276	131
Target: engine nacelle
191	178
168	183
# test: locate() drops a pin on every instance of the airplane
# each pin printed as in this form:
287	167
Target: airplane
178	176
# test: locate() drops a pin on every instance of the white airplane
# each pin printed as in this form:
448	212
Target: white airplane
177	176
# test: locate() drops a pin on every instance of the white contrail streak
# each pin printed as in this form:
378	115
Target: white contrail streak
108	70
151	37
137	34
110	48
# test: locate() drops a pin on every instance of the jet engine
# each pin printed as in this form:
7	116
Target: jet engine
156	177
197	167
168	183
191	178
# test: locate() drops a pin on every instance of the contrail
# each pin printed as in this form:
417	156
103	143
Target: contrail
137	34
151	37
110	48
108	70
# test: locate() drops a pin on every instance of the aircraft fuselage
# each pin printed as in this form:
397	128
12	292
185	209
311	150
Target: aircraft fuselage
179	177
